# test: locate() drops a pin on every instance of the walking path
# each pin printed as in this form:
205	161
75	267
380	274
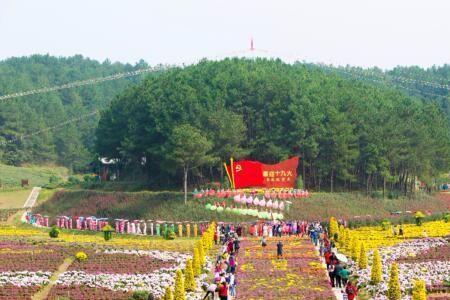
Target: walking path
31	200
32	197
43	293
298	275
337	291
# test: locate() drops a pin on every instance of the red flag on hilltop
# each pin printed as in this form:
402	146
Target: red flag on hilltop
249	173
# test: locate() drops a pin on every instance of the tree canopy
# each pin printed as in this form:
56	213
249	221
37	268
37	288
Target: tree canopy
35	127
349	134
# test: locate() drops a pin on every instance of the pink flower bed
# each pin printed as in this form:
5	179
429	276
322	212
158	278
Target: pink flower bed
79	292
118	263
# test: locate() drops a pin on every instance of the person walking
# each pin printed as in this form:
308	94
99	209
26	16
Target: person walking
223	290
232	285
331	274
337	274
279	250
327	257
351	291
344	274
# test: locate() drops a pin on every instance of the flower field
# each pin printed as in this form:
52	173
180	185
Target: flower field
373	237
83	238
299	275
113	269
422	253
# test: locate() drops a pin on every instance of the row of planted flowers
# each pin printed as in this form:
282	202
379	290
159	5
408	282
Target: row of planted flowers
103	273
397	266
80	238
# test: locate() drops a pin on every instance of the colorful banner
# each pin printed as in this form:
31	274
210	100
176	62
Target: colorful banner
247	173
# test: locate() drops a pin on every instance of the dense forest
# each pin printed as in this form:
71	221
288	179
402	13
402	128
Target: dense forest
354	128
432	84
350	134
30	117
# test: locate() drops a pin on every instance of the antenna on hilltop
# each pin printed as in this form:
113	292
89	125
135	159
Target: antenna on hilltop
251	45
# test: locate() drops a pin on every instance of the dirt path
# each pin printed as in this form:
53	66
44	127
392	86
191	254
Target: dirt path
43	293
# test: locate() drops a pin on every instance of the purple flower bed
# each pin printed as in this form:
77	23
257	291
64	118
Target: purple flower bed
79	292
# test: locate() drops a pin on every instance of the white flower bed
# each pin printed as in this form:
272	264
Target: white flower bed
161	255
24	278
431	272
156	282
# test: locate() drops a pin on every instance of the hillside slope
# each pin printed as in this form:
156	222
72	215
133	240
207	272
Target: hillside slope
169	206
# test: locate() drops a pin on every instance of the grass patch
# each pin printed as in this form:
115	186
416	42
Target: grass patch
11	176
13	199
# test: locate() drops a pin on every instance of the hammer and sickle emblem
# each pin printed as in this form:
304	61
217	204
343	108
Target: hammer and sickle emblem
238	168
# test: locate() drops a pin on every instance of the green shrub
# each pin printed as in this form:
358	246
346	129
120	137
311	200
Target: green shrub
376	194
54	232
393	194
299	182
139	295
446	217
107	232
419	216
385	224
169	234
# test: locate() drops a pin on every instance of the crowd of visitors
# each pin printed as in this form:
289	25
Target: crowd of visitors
227	236
224	285
337	269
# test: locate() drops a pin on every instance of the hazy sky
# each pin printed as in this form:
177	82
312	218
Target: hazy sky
383	33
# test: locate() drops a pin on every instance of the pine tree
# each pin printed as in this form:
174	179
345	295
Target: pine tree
355	250
393	291
347	239
334	228
189	282
179	293
201	255
419	291
168	294
362	263
196	262
375	272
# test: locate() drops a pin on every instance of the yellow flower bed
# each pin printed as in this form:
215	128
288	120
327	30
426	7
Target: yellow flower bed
118	241
374	236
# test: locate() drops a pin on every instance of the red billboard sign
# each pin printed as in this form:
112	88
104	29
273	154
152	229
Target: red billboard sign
247	173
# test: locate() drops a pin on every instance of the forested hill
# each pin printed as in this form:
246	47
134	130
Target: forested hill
431	84
350	134
71	144
353	127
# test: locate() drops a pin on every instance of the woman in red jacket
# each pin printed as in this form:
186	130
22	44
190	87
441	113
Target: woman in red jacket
351	291
223	291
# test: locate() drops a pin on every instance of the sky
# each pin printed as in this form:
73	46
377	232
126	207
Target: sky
382	33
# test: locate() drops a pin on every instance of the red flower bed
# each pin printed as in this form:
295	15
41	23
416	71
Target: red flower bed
18	256
299	275
78	292
9	292
119	264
